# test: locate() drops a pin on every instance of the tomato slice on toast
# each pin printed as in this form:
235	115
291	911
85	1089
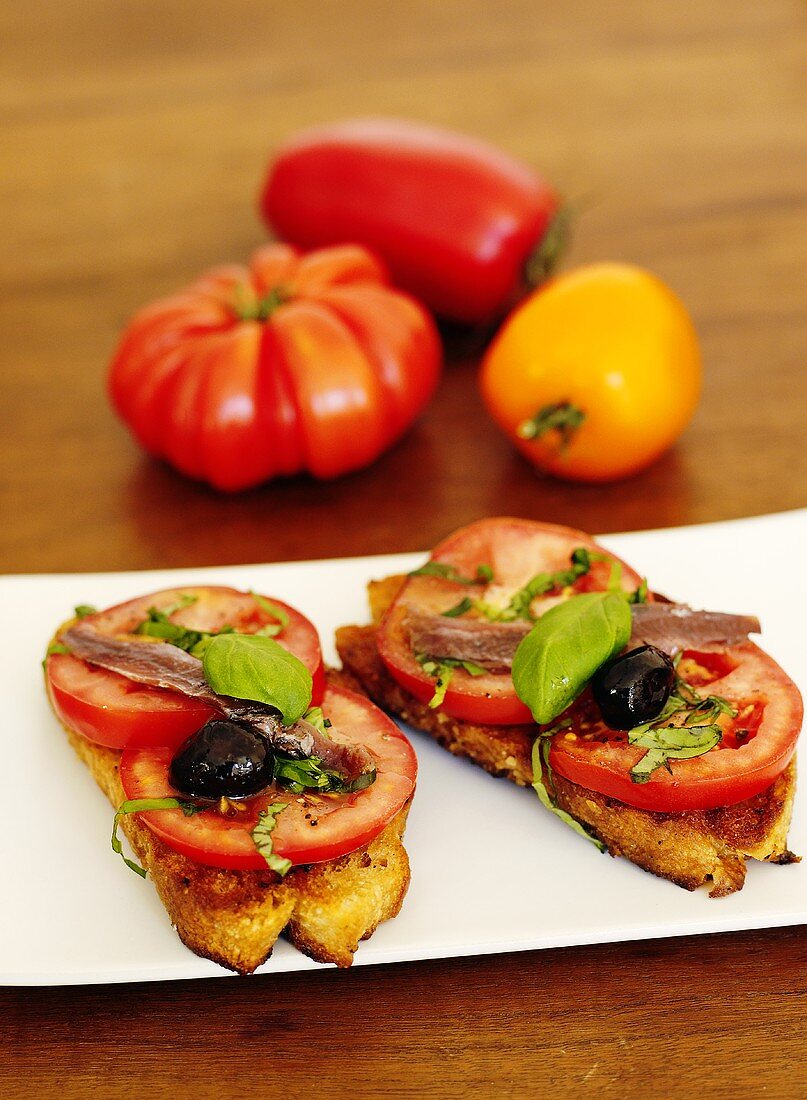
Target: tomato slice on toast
515	550
111	710
312	828
757	744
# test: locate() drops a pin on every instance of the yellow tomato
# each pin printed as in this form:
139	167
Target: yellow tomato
596	374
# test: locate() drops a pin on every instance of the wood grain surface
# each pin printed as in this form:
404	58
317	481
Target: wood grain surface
135	135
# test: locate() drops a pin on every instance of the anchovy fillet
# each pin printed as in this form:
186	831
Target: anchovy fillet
668	626
157	664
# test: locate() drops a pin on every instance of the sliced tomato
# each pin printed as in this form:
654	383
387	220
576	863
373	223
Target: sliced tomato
111	710
516	550
757	745
313	827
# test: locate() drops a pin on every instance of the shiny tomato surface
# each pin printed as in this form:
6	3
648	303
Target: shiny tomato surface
111	710
516	550
757	745
296	363
596	374
454	218
312	828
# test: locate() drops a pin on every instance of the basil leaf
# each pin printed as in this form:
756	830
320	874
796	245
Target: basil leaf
271	629
639	595
519	605
248	666
308	774
83	610
138	805
566	647
672	743
159	625
56	647
262	837
484	573
440	669
316	718
540	760
458	609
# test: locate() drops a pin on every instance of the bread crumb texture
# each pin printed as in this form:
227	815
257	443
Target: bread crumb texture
236	917
689	849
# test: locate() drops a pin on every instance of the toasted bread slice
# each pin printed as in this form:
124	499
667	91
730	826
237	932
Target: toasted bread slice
689	849
235	917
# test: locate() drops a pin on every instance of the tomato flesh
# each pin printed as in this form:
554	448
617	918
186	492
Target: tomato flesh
110	710
744	764
516	550
312	828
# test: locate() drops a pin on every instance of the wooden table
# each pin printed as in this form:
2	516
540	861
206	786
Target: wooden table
135	137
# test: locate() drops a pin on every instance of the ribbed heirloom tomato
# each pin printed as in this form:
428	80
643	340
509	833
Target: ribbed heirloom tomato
295	363
596	374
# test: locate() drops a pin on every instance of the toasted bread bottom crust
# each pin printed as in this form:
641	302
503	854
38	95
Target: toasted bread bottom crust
689	849
235	917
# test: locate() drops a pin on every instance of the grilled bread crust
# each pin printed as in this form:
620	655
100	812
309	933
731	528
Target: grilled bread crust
689	849
235	917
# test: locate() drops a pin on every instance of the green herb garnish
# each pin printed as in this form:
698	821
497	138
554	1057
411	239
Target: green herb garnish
484	573
309	774
458	609
138	805
695	734
540	763
640	594
271	629
262	836
158	624
83	610
541	583
440	669
249	666
316	718
565	648
57	647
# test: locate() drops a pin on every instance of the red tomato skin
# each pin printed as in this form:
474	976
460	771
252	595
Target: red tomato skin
721	777
514	547
329	379
454	218
342	826
170	718
115	712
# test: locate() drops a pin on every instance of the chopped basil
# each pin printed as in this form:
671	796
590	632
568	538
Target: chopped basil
138	805
540	761
695	733
316	718
640	594
262	837
249	666
277	613
458	609
440	669
308	774
565	648
158	625
519	606
57	647
484	573
83	610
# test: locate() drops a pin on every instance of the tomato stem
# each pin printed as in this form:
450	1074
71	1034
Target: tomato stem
248	308
544	259
563	417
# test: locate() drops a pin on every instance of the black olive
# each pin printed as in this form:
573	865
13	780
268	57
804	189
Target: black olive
222	758
633	688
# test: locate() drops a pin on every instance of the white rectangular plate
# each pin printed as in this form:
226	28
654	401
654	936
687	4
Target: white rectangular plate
491	870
